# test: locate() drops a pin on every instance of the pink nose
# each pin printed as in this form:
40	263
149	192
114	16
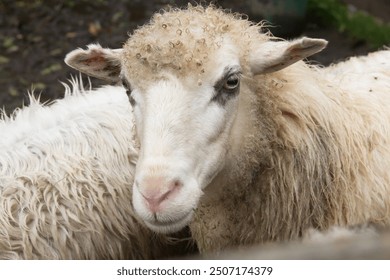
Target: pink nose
157	189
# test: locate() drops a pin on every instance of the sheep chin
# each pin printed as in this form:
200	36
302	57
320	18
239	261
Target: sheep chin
168	227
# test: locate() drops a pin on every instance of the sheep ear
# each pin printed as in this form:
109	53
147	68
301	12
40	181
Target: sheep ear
276	55
97	62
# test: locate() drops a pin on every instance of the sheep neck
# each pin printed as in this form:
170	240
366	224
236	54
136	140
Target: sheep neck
291	165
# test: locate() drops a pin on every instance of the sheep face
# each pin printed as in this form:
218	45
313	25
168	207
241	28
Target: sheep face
183	125
183	73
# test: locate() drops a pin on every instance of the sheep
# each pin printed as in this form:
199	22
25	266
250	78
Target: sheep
66	172
242	140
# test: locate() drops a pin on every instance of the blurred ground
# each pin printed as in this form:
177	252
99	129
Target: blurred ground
36	35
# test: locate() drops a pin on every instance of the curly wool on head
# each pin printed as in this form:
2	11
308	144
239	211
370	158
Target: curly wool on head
182	41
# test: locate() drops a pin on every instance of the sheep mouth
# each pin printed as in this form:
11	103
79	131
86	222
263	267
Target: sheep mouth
171	225
170	222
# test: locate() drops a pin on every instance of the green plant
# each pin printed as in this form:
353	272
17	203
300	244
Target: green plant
357	24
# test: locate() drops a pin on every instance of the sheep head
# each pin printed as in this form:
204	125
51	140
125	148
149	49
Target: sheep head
183	72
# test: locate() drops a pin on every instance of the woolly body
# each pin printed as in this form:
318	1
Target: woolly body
66	172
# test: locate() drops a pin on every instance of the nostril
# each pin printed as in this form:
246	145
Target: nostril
172	187
164	196
177	183
155	195
154	201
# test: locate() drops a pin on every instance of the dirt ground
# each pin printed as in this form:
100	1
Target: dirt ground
36	35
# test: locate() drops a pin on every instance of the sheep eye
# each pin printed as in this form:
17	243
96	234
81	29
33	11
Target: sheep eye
126	85
232	82
227	87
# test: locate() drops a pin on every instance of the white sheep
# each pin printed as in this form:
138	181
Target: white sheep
66	172
241	139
